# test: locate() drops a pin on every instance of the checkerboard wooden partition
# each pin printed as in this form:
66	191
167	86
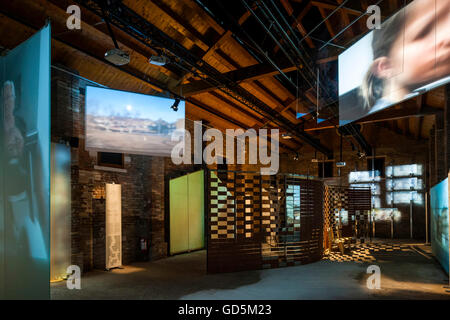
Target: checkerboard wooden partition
257	221
357	203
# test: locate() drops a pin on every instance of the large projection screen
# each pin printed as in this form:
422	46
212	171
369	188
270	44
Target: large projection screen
127	122
408	56
440	223
25	164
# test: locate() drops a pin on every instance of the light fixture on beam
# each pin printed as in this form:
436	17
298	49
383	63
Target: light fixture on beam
117	57
286	136
175	105
158	60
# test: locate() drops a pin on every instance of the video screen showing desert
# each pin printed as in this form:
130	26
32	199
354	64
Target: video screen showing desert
131	123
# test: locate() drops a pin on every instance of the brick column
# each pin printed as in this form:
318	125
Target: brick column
158	245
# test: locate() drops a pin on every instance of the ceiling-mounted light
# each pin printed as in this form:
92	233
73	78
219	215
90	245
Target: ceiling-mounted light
286	136
117	57
158	60
175	105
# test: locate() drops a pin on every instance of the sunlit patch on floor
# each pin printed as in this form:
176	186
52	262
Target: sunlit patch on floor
365	252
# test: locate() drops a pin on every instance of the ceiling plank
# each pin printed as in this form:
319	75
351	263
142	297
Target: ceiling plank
212	49
250	73
327	22
329	6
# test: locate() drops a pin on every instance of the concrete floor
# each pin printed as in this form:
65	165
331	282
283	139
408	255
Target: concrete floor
404	275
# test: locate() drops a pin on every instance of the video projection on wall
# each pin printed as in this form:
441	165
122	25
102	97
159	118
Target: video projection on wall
25	170
440	223
119	121
408	56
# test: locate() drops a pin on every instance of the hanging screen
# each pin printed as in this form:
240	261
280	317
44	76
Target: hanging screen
127	122
440	222
407	56
25	170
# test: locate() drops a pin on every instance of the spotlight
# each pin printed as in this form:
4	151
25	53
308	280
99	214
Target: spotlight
175	104
296	157
286	136
158	60
361	154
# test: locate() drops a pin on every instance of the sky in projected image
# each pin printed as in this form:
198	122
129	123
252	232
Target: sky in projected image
408	56
106	102
126	122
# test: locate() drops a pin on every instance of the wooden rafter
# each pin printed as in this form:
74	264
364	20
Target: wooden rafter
250	73
225	36
329	6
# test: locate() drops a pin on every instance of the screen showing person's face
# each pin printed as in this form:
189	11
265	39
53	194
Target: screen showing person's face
415	57
425	49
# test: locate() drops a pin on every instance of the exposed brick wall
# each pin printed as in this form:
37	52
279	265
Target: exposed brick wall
142	186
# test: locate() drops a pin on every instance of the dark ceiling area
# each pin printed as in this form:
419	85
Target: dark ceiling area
238	64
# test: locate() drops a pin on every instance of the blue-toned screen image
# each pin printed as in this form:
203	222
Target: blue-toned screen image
120	121
25	166
440	222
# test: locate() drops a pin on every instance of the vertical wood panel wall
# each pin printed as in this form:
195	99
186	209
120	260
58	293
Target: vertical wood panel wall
356	202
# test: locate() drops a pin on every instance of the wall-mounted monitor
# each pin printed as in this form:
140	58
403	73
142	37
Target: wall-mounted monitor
408	56
127	122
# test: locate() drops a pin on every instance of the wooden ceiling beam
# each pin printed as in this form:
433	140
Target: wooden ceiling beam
254	118
346	20
227	123
129	71
326	60
287	6
327	22
299	26
90	39
226	36
250	73
329	6
176	18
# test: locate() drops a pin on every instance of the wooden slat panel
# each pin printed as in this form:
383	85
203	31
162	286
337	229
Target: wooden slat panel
248	227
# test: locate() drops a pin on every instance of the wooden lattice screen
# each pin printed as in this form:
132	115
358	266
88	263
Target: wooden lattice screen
356	202
257	221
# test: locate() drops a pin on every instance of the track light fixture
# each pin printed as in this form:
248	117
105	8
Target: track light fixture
175	104
158	60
